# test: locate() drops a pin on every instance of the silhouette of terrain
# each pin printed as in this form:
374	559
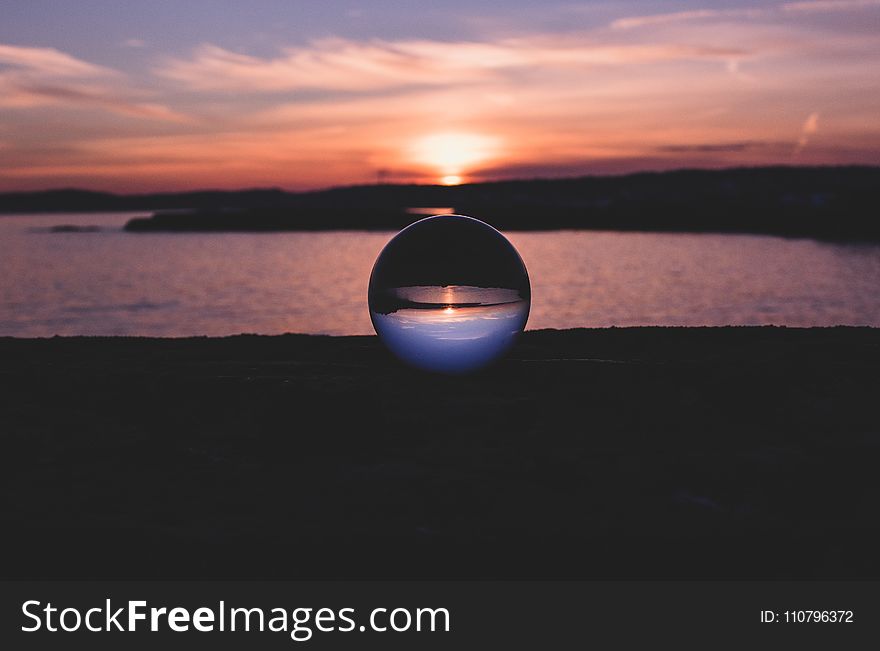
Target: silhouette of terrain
620	453
818	202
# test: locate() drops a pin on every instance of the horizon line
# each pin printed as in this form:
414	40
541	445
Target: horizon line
534	179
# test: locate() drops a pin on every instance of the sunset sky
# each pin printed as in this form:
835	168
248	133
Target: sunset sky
163	95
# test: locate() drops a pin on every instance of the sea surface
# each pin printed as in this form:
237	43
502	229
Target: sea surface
109	282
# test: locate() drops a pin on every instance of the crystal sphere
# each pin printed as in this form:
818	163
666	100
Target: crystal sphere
449	294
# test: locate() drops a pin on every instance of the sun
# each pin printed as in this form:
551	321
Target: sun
452	153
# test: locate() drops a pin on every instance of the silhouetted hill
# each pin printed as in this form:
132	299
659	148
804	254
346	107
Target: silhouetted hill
821	202
71	200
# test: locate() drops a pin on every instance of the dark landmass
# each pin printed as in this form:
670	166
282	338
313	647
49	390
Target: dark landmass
618	453
73	228
820	202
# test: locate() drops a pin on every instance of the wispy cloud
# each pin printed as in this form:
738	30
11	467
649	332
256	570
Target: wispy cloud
822	6
810	127
712	148
102	99
684	16
40	76
337	64
49	61
808	6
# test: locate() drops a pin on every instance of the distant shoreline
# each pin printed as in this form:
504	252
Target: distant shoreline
828	203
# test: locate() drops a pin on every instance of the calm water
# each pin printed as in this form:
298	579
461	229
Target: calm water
113	283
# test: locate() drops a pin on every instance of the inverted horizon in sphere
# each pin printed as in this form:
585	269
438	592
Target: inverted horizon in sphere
449	294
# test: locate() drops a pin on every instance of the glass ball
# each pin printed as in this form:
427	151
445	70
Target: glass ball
449	294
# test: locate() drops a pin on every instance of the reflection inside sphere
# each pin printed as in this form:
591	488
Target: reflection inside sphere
449	294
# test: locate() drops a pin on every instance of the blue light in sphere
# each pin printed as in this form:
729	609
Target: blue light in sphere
449	294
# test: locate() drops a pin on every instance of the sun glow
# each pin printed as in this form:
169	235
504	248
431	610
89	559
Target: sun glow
452	153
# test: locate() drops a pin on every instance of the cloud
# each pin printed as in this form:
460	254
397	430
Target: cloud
101	99
683	16
823	6
22	95
811	126
338	64
711	148
808	6
41	76
49	61
134	42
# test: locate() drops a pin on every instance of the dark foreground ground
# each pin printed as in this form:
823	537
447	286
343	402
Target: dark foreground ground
667	453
